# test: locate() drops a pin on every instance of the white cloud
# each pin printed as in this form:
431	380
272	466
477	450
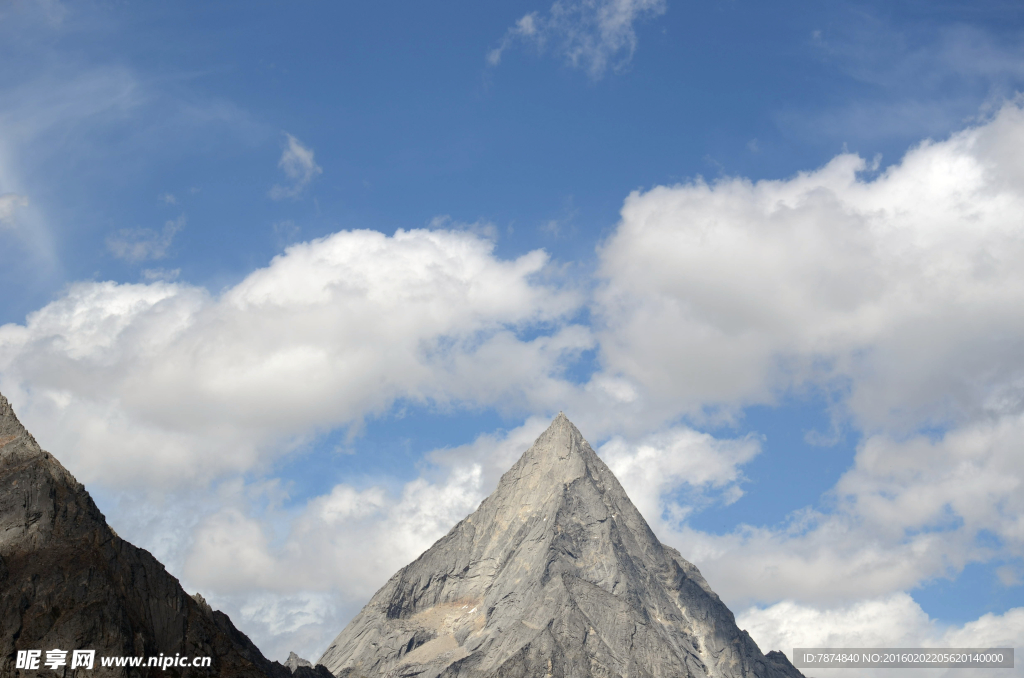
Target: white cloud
973	477
141	244
890	621
330	332
298	165
9	203
592	35
901	294
990	630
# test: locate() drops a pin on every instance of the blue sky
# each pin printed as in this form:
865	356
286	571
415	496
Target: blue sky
281	280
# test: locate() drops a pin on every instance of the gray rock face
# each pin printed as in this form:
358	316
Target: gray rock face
557	575
68	582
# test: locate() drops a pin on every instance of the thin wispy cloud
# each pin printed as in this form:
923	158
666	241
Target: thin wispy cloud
144	244
299	166
161	274
910	84
9	203
592	35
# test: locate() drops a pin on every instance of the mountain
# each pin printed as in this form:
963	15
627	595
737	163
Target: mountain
555	575
67	581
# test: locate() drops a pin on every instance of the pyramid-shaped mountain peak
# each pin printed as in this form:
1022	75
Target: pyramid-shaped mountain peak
555	574
559	456
561	441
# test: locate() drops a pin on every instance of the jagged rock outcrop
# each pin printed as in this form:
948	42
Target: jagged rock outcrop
68	581
294	662
557	575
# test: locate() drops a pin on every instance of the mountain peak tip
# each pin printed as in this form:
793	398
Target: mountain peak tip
558	455
14	434
563	427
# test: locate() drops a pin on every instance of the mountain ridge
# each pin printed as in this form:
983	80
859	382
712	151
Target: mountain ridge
68	581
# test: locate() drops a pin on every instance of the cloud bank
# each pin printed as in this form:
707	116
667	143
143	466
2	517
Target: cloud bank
331	332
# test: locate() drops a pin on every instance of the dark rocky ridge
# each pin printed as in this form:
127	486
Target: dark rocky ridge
68	581
555	575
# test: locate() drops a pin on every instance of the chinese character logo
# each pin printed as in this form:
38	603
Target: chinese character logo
82	659
28	659
56	658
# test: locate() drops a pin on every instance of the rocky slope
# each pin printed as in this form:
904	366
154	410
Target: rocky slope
556	574
68	581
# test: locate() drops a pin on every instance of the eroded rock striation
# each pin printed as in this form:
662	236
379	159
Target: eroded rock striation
67	581
557	575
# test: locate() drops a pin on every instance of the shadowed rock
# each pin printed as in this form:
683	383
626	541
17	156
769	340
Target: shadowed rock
67	581
556	574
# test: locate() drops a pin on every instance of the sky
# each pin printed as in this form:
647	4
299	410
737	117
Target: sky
289	286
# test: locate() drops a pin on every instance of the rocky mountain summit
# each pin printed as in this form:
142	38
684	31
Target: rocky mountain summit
555	575
68	581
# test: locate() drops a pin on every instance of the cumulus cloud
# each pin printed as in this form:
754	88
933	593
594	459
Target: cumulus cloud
891	621
900	294
298	165
592	35
971	479
658	465
141	244
330	332
9	203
